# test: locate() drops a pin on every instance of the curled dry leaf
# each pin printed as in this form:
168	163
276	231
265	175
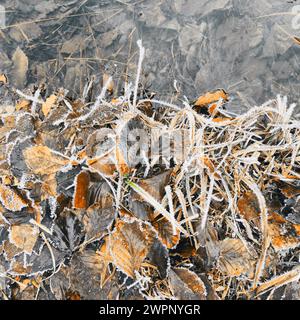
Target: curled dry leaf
11	199
129	245
234	258
186	285
44	161
81	192
24	236
211	97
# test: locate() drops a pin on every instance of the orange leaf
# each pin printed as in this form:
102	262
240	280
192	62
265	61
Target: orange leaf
24	236
3	78
211	97
10	199
46	106
80	200
249	208
110	85
23	105
165	233
281	232
129	245
42	160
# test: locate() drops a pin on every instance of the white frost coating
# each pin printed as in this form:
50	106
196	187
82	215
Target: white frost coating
138	74
34	98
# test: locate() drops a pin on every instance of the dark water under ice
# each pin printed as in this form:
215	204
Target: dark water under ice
243	46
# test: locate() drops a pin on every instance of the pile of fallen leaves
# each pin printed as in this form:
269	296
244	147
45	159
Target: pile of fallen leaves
80	218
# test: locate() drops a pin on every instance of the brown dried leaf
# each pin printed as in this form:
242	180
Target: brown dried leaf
110	85
284	234
289	190
106	259
121	163
48	104
11	199
249	208
98	217
82	181
103	165
186	285
23	105
155	186
3	78
20	68
129	245
49	186
234	258
165	232
24	236
211	97
42	160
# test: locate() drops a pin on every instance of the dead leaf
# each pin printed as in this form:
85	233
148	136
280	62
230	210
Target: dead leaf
211	97
186	285
249	208
289	190
234	258
122	166
48	104
20	68
129	245
24	236
11	199
108	82
159	256
49	186
284	234
23	105
81	192
221	119
155	186
42	160
99	216
103	165
165	232
106	259
3	78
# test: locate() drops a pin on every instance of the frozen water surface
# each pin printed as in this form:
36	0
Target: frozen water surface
243	46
